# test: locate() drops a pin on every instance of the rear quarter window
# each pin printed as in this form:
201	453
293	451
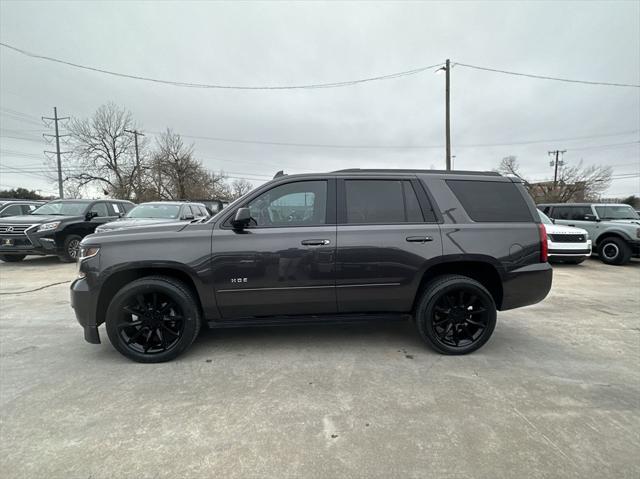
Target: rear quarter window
491	201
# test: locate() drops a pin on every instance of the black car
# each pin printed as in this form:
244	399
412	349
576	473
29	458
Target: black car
56	228
157	212
18	207
445	248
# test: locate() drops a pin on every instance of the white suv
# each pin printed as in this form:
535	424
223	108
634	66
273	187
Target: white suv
566	243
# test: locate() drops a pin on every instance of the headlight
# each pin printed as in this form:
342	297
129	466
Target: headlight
48	226
88	252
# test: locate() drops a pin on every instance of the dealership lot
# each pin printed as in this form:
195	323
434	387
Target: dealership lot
555	393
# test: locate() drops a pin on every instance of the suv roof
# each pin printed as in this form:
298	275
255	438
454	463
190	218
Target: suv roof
422	172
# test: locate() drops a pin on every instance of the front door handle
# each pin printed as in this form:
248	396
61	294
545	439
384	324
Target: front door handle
316	242
572	225
419	239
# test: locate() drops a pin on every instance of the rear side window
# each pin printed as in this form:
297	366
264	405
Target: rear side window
491	201
381	201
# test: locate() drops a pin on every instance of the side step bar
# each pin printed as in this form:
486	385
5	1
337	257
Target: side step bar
306	320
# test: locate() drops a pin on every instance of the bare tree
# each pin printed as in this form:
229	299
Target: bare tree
239	188
176	174
103	153
575	183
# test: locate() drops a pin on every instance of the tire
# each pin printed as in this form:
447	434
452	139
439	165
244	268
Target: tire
614	251
153	319
71	248
456	294
12	258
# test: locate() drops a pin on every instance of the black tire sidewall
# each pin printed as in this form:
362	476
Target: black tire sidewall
179	293
424	312
624	251
65	245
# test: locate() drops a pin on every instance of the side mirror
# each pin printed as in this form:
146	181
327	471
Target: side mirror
91	215
590	218
242	219
188	217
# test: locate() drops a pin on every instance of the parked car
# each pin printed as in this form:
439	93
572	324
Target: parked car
213	206
446	248
18	207
56	228
157	212
566	243
613	228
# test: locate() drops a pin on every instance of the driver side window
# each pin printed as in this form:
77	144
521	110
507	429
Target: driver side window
101	209
303	203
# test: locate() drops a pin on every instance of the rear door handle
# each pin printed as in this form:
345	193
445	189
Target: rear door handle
419	239
316	242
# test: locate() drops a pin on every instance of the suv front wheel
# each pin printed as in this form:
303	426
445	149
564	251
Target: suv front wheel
153	319
456	315
614	251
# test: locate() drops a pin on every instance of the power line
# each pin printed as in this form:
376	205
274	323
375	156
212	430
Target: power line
220	86
611	145
392	147
543	77
308	86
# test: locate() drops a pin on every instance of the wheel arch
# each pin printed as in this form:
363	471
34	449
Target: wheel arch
115	281
611	234
486	273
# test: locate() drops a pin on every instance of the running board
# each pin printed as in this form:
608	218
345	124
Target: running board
306	320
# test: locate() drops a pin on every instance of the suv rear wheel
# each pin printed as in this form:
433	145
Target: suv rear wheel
456	315
614	251
153	319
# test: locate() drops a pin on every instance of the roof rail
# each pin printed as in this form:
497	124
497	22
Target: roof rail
427	172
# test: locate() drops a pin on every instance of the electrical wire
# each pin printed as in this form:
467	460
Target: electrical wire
220	86
543	77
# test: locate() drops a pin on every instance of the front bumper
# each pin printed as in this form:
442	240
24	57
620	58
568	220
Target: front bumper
569	250
526	285
29	243
83	302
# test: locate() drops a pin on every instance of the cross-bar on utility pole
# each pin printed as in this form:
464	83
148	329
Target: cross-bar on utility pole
57	135
557	162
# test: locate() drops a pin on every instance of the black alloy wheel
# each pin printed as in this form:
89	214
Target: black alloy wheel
456	315
151	323
153	319
614	251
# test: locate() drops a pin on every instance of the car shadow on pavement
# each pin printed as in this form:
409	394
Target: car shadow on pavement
34	262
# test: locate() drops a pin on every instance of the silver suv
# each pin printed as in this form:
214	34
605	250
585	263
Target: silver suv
613	228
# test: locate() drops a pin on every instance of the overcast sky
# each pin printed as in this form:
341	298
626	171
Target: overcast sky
304	43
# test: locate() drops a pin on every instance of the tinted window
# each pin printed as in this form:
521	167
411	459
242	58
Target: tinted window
154	210
101	209
381	201
117	208
13	210
491	201
69	208
28	209
294	204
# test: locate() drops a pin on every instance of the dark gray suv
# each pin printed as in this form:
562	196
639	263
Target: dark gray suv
447	249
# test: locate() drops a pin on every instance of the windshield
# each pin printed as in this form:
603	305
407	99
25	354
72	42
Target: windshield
544	218
154	211
617	212
63	208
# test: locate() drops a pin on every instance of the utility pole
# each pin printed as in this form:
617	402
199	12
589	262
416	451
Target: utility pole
135	134
448	112
58	153
555	163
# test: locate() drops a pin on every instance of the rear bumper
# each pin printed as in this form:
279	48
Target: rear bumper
83	302
527	285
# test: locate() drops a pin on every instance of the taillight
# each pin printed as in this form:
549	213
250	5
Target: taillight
544	246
